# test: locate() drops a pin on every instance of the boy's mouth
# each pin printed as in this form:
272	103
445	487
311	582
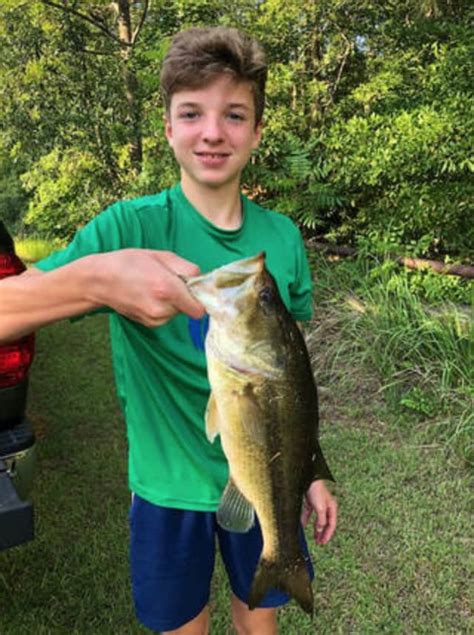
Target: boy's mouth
212	160
212	155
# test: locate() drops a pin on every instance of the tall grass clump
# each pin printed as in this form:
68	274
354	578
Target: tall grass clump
421	350
31	249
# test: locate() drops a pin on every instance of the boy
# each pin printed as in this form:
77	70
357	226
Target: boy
128	261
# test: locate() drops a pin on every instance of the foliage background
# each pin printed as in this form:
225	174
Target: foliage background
369	116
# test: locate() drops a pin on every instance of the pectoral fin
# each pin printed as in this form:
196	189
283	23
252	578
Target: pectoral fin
235	513
212	419
251	416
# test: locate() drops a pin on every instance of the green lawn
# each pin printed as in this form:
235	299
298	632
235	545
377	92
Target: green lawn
399	562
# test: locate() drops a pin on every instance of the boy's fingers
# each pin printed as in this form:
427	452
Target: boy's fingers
331	521
184	302
179	295
321	521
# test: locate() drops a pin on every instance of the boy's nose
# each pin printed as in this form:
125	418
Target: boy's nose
212	130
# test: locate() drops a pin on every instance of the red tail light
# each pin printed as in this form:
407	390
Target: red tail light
15	360
10	265
15	357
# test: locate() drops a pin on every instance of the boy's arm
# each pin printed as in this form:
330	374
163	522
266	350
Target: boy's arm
143	285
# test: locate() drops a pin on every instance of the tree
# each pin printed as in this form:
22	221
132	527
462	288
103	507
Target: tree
367	126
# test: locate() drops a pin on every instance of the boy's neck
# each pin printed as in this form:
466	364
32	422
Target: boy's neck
221	206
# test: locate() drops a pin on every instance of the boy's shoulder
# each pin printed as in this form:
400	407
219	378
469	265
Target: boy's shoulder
133	212
270	217
143	203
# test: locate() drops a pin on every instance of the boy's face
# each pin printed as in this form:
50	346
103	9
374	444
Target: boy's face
212	132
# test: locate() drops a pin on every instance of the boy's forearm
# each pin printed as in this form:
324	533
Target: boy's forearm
35	299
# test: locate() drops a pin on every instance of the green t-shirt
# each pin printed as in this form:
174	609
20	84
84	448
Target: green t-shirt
160	373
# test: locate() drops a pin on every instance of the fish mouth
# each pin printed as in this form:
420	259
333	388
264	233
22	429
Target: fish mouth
246	266
249	266
217	286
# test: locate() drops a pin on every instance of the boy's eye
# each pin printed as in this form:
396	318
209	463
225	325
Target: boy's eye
188	114
235	116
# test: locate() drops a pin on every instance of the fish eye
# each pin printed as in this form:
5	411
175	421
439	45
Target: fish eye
266	295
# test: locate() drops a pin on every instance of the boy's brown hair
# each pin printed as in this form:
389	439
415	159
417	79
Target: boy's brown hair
197	56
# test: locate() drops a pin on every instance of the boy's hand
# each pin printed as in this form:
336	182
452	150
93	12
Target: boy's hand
144	285
320	500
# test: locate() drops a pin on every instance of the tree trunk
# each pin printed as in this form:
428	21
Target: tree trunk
130	84
464	271
313	62
126	39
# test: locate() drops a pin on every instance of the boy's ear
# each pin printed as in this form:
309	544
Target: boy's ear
168	128
258	134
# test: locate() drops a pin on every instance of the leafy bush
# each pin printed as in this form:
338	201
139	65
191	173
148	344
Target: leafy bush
13	197
401	152
32	249
67	190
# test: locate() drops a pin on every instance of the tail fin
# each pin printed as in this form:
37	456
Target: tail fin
290	577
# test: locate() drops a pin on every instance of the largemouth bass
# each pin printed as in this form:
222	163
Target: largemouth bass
264	405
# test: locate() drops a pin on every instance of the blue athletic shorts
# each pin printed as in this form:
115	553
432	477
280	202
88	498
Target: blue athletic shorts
172	554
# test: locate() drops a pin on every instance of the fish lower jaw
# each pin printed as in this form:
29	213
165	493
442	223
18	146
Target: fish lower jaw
239	360
233	365
237	366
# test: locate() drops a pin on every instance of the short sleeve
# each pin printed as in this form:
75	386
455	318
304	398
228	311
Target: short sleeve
301	289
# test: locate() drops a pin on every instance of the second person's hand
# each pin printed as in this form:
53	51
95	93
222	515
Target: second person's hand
144	285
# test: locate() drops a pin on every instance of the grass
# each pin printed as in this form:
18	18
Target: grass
421	353
399	562
31	249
